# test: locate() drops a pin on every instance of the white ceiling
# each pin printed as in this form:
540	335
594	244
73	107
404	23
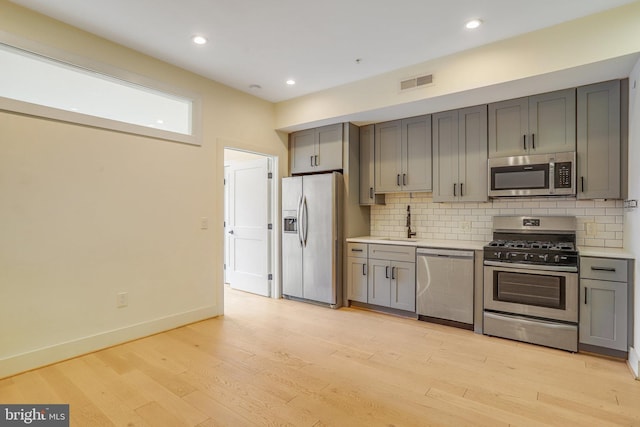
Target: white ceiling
317	43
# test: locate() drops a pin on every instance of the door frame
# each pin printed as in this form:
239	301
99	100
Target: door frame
274	214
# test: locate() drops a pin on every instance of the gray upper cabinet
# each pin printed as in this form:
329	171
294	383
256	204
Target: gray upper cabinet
460	155
316	150
537	124
402	155
367	170
598	141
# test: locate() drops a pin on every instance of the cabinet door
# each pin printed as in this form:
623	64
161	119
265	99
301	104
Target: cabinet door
388	155
508	127
367	191
472	154
302	151
416	154
603	314
552	122
598	141
357	279
329	148
445	157
379	283
403	286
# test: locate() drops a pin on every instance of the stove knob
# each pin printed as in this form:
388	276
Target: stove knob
498	255
507	255
545	257
526	257
556	258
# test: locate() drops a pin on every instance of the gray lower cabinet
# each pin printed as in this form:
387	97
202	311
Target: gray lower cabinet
599	141
402	155
357	272
392	276
367	169
382	275
460	155
604	303
316	150
539	124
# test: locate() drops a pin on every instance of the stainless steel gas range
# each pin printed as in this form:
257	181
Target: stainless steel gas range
531	281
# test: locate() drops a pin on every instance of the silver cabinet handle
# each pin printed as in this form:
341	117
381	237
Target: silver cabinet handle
386	272
316	158
404	179
311	161
398	180
393	273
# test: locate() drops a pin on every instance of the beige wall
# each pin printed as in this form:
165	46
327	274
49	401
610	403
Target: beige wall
592	49
87	213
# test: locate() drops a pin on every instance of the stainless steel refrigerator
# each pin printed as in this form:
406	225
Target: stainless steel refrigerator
312	238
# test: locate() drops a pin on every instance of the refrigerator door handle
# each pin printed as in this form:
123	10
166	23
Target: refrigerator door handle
305	219
299	219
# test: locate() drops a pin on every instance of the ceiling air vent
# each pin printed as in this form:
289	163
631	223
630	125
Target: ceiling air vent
415	82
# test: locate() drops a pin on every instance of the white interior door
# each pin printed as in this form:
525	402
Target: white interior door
248	227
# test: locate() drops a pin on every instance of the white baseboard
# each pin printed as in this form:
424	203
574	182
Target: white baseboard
634	362
47	355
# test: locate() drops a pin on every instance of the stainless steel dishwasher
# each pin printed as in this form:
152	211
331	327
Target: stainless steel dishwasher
444	291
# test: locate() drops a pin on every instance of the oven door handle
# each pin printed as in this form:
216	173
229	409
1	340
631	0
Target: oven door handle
559	268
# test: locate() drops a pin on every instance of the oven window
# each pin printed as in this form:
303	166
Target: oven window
530	289
520	177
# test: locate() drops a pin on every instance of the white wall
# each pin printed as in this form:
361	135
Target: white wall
446	221
587	50
87	213
632	216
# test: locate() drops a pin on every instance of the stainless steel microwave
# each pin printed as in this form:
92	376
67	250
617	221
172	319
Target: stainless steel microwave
534	175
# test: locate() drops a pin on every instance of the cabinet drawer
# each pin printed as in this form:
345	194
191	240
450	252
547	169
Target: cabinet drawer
614	270
393	253
357	250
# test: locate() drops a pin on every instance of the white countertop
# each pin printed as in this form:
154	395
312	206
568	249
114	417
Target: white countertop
422	243
478	246
605	252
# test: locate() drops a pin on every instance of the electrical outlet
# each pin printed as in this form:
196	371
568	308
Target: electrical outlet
591	229
122	299
204	223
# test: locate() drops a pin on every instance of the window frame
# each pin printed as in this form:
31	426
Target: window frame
112	73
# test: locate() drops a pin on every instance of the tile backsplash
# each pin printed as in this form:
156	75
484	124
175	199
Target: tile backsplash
599	221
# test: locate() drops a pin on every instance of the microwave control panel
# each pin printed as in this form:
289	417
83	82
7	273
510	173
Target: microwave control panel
562	175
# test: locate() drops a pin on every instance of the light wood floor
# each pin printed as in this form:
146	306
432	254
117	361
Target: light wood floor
278	362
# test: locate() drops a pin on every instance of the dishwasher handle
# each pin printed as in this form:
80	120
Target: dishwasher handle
451	253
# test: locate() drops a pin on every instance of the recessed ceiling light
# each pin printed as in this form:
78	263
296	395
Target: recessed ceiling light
291	82
199	40
159	121
472	24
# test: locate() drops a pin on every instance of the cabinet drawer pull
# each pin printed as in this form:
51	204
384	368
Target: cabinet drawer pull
610	269
356	250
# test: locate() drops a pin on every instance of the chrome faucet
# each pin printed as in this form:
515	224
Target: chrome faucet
410	233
